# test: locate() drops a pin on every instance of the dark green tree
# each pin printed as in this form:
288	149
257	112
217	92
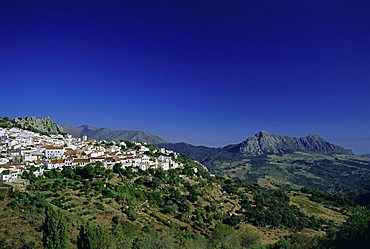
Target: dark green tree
94	237
4	244
154	240
224	237
248	238
355	233
54	230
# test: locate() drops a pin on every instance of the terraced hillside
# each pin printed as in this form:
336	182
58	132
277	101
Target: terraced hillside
183	206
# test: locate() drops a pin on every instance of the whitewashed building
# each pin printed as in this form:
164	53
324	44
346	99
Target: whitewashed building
55	152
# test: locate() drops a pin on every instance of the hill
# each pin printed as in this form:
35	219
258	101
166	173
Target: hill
113	135
179	208
44	126
286	162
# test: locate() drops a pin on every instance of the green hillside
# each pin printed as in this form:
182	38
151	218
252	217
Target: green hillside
344	174
179	208
287	162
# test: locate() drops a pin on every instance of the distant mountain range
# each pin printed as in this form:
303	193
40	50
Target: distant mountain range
264	158
47	126
286	162
113	135
262	143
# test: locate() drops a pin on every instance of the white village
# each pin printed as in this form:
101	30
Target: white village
21	150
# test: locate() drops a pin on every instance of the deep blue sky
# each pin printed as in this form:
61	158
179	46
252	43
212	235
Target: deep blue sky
204	72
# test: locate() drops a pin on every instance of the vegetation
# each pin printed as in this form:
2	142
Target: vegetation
54	230
354	233
340	174
288	167
94	237
179	208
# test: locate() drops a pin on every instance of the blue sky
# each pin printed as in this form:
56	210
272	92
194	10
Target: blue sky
203	72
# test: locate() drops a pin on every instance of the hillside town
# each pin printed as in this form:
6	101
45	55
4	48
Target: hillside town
21	150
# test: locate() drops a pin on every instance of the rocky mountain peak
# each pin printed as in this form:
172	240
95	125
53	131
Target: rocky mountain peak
41	125
264	142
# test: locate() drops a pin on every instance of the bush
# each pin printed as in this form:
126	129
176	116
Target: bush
154	240
234	220
225	237
355	233
131	214
4	244
94	237
248	238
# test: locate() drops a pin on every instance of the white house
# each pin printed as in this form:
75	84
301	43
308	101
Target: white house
97	159
144	149
55	164
51	151
114	148
81	162
39	171
9	173
145	159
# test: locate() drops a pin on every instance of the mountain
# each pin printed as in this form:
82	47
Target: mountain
113	135
286	162
44	126
266	143
204	154
262	143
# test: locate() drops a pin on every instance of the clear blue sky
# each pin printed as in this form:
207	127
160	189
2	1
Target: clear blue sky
204	72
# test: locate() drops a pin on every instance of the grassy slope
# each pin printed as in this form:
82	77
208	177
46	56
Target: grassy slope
81	204
331	173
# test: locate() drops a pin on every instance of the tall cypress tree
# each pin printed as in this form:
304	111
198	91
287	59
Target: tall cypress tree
55	230
94	237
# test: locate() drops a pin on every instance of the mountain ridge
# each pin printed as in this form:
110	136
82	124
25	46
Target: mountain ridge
113	135
286	162
264	142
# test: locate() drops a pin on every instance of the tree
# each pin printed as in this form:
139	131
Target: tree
4	244
154	240
117	168
286	244
131	214
94	237
234	220
129	173
68	172
195	242
224	237
54	230
248	238
355	233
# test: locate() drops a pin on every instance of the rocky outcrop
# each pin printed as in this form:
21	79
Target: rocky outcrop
267	143
40	125
43	125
